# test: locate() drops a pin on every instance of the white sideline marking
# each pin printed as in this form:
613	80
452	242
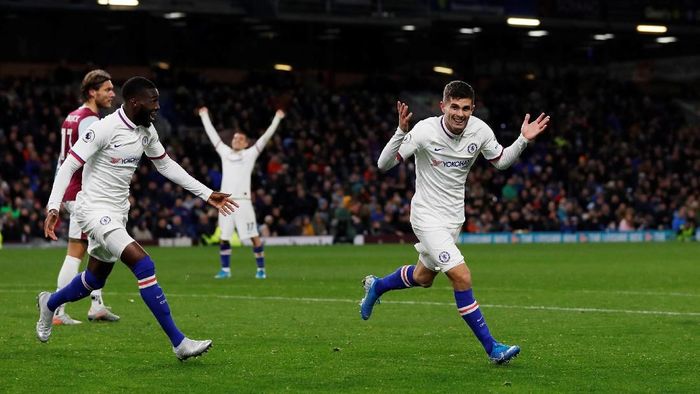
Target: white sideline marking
619	292
486	288
348	301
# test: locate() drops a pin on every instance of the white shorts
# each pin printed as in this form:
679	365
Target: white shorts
74	231
243	218
104	243
437	248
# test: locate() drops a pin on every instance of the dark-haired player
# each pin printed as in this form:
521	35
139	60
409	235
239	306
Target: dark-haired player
110	150
445	148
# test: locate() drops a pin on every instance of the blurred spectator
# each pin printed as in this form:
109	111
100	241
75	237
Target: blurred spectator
164	229
141	232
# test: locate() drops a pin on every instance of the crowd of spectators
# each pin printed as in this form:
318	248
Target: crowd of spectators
616	157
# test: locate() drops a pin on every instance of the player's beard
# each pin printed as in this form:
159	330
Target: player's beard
104	104
143	118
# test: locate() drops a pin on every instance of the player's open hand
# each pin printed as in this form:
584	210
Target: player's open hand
280	114
50	224
532	130
203	111
404	116
222	202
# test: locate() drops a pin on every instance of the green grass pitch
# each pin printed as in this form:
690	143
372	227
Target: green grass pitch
604	317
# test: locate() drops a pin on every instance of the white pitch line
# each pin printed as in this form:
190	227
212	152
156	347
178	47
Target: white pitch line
346	300
619	292
486	288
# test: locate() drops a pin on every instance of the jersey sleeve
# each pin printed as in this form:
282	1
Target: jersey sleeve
93	140
412	142
262	141
491	148
85	124
213	135
154	149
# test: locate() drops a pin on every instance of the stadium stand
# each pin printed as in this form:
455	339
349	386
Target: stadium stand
619	156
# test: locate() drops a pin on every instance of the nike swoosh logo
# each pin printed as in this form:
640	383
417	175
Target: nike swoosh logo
128	143
438	149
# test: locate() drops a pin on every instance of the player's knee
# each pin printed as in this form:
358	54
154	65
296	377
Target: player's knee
462	282
424	282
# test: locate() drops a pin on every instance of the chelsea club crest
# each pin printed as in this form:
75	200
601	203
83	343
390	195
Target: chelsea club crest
444	257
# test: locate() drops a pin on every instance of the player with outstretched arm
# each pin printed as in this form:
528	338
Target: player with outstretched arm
445	148
110	151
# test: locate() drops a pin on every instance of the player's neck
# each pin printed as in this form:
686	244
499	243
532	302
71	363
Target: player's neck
454	133
130	114
92	105
449	131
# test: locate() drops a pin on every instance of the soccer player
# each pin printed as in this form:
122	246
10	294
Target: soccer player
237	167
110	150
445	148
97	92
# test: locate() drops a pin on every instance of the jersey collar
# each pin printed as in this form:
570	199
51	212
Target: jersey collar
448	133
125	119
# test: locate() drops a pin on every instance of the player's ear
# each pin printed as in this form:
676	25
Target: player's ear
442	106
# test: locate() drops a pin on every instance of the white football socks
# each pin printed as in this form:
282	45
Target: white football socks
68	271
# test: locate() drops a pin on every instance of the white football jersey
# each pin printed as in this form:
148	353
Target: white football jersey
237	167
110	150
443	161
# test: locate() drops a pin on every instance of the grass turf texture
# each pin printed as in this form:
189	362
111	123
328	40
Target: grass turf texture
300	330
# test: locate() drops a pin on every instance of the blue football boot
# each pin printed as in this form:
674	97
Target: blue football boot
371	297
502	353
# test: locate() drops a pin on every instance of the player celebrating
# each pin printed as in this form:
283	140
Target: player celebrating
110	150
237	167
97	93
445	148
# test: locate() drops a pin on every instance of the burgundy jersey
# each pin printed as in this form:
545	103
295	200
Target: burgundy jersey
69	136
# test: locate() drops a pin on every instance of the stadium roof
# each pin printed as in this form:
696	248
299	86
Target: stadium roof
354	35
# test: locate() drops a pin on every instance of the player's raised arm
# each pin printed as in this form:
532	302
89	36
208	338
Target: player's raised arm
262	141
528	131
532	130
213	135
390	155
